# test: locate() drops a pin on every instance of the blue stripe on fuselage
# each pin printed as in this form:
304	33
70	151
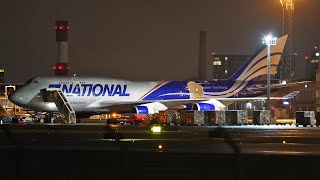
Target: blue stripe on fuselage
54	85
173	89
170	87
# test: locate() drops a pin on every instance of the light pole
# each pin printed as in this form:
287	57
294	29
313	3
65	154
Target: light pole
269	40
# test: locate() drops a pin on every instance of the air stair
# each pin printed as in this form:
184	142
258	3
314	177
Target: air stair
62	104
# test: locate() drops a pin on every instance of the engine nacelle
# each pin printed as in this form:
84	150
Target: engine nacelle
210	105
203	107
188	106
142	110
149	108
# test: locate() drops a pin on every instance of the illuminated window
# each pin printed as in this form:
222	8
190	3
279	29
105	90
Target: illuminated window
226	58
217	63
226	71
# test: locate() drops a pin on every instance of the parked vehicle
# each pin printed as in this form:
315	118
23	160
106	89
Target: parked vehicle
26	119
6	119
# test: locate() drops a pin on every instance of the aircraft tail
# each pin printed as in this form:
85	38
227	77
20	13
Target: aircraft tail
255	68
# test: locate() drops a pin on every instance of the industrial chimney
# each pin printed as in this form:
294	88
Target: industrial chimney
61	68
205	67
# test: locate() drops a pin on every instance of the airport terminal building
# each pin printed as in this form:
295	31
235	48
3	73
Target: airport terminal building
6	106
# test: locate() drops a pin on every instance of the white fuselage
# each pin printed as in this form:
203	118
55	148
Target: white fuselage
83	94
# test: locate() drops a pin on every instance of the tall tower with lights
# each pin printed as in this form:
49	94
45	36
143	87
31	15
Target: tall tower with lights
287	64
61	68
290	10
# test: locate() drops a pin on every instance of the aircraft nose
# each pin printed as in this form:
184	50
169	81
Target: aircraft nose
15	98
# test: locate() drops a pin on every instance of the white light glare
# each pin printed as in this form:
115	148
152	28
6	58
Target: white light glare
51	105
269	40
156	129
249	105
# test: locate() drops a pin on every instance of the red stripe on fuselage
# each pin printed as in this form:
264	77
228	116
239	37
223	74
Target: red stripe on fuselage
156	86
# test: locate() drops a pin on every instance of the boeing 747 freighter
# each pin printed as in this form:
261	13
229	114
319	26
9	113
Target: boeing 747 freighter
97	95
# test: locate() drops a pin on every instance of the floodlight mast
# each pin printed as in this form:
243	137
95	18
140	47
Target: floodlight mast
269	40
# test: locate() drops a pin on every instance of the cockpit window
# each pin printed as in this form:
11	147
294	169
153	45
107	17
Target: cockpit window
32	80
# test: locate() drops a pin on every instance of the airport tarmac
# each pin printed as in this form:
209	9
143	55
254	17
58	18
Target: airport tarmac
98	151
249	139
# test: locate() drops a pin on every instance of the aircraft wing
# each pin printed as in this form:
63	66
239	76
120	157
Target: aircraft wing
228	101
292	84
278	86
156	105
168	103
162	105
287	96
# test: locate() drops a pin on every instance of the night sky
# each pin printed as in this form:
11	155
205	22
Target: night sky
143	39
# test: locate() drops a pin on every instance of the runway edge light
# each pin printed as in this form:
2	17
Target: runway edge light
156	129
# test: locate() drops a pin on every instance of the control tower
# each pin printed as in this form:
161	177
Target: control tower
61	68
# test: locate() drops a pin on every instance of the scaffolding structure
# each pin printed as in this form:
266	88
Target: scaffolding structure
287	16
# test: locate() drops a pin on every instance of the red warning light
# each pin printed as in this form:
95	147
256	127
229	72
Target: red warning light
315	47
59	27
305	57
60	67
